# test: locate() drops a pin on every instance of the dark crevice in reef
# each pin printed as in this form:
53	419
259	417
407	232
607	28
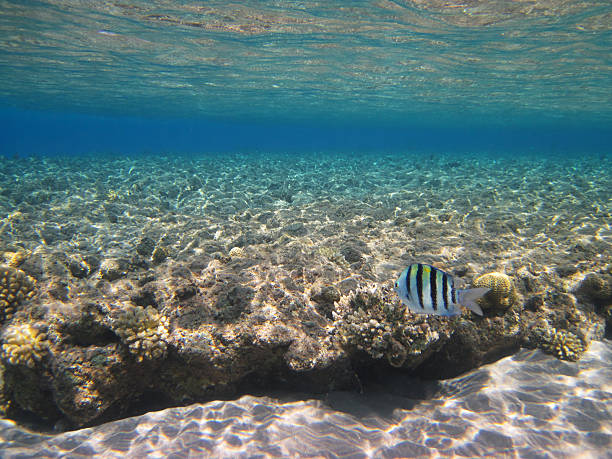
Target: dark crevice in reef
458	357
147	401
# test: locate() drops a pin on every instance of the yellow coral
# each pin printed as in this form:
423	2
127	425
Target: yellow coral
15	287
563	344
15	259
502	293
23	345
144	331
236	252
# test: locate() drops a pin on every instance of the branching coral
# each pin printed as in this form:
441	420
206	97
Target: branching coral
15	287
563	344
144	331
372	321
23	345
502	293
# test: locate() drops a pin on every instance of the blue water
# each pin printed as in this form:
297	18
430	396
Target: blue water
71	133
143	76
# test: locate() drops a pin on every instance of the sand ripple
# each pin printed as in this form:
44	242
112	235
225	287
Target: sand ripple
527	405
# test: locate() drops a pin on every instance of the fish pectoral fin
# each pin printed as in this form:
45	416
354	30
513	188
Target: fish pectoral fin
469	296
474	308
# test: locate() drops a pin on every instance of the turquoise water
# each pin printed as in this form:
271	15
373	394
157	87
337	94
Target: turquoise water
231	177
304	70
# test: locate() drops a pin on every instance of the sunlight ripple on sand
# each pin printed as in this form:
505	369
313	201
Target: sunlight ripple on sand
526	404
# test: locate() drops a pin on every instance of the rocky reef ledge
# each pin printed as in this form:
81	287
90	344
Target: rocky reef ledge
112	303
208	329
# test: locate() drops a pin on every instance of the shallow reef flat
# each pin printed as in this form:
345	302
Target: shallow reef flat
146	282
527	405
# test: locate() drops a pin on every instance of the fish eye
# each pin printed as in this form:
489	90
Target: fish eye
396	284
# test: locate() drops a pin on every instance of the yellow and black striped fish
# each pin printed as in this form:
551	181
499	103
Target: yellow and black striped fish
428	290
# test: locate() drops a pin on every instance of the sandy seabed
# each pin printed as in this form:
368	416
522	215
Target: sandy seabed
482	212
528	405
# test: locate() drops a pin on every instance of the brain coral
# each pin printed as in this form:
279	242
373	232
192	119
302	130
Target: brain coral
597	288
236	252
15	287
502	293
23	345
144	331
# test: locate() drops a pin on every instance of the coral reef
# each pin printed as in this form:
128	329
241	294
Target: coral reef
143	331
372	320
310	306
15	287
562	344
502	293
23	344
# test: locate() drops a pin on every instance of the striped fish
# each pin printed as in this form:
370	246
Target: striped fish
428	290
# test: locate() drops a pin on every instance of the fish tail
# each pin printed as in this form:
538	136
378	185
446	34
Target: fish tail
468	297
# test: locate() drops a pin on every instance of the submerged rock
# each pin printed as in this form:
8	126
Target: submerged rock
113	268
597	289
